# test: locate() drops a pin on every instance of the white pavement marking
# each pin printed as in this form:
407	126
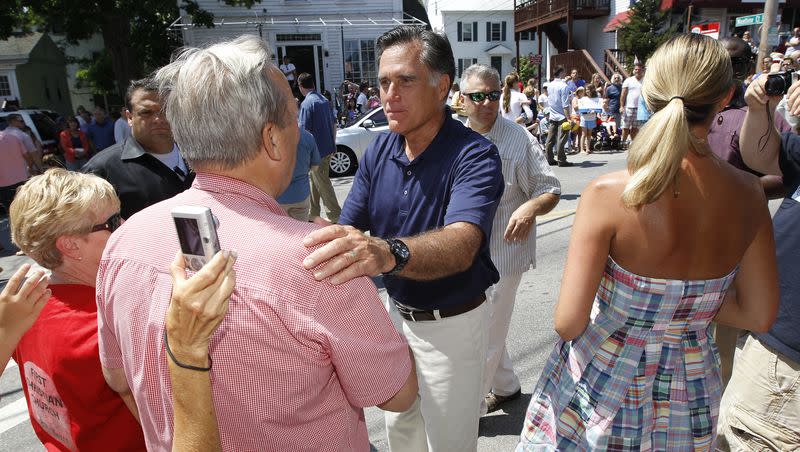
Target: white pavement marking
13	414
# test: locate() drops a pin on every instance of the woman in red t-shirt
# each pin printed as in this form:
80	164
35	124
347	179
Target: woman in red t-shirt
62	220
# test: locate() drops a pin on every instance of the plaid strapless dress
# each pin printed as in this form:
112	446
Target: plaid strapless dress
643	376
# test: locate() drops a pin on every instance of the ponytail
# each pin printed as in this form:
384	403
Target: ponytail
506	97
655	155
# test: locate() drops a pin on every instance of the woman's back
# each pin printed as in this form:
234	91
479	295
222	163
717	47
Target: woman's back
697	229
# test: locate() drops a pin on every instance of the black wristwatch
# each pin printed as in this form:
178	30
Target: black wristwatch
401	255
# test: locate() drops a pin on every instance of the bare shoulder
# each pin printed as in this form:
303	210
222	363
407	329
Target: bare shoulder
608	187
743	185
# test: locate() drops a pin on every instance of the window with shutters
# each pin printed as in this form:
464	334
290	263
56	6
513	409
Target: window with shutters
464	63
495	31
467	31
5	86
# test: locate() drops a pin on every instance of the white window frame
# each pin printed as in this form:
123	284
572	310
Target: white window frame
499	31
467	37
463	63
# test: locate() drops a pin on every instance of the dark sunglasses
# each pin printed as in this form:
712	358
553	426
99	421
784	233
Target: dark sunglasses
479	97
110	225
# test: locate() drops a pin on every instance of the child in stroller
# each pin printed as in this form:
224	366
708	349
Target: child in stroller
606	136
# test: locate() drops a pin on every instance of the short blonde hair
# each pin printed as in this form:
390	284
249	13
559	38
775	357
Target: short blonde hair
57	203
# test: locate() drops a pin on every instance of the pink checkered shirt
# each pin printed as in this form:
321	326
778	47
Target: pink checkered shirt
294	359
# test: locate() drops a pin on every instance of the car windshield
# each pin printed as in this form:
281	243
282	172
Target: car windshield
379	118
48	130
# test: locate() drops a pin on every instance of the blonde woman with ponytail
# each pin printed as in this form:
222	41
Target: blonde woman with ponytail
514	105
657	252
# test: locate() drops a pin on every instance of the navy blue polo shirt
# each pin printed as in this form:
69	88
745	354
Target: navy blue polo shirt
784	336
458	178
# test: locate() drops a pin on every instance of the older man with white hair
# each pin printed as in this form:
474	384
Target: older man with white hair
531	190
295	360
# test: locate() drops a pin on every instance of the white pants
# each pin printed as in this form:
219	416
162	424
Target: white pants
450	356
499	376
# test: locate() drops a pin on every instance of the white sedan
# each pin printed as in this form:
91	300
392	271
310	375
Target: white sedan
352	141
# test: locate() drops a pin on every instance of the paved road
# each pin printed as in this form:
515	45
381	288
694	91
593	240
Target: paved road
530	339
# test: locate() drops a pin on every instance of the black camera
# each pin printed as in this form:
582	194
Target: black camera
778	83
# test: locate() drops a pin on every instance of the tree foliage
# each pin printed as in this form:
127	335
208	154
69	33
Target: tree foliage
527	70
134	31
646	30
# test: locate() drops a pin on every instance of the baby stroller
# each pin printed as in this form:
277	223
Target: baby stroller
604	139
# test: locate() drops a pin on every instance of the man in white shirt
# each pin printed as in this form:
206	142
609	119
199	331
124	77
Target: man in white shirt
362	99
122	129
629	102
531	190
289	71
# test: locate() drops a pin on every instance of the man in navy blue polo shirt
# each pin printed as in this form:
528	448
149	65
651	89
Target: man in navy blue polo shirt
427	192
761	405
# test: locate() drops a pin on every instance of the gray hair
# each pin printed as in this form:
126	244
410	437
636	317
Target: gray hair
616	76
226	80
437	55
482	72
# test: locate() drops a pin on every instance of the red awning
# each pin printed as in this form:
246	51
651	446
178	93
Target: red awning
618	21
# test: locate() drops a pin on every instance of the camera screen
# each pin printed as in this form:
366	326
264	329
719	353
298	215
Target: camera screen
189	236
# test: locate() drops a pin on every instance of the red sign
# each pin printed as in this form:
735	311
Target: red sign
710	29
535	59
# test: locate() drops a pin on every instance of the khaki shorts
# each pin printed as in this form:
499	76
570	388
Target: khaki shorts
760	409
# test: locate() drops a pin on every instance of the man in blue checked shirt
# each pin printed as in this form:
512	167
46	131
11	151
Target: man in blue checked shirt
558	96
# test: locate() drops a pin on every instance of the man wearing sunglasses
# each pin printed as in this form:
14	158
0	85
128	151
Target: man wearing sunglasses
531	190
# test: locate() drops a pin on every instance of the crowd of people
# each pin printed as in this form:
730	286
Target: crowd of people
281	340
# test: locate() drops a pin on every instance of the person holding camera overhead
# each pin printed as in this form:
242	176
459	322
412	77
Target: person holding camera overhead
761	406
657	251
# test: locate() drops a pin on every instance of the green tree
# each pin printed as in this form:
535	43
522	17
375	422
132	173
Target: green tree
134	31
527	69
646	30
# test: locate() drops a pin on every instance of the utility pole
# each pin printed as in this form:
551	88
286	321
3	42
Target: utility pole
770	11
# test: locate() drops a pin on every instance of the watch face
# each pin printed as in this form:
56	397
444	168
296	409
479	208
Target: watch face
400	250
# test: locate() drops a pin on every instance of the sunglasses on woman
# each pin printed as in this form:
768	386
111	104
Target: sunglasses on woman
479	97
110	225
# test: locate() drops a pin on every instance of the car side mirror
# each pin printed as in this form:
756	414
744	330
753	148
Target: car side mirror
368	124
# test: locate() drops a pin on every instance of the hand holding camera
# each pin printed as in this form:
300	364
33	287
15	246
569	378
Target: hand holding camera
771	88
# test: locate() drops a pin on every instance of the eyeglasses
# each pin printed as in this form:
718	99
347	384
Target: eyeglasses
110	225
481	96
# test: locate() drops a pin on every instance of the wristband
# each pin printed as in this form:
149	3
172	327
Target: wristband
180	364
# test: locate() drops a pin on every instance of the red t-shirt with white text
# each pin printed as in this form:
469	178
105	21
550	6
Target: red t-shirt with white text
70	405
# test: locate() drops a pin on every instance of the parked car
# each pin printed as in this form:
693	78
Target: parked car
353	139
42	125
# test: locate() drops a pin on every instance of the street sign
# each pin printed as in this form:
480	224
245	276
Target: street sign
746	21
536	59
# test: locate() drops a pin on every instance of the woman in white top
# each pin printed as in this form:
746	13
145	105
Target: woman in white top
513	103
588	106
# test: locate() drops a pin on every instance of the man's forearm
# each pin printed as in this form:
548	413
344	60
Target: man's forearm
542	204
443	252
759	140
